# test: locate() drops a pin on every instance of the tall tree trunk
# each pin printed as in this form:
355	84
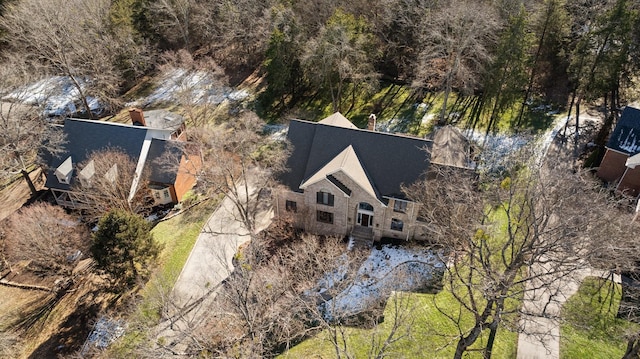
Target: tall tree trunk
576	137
493	329
633	348
443	111
83	95
26	177
466	342
532	74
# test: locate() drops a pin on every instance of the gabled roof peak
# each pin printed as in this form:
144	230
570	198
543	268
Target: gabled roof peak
348	163
337	119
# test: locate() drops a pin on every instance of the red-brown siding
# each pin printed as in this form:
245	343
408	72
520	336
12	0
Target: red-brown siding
612	166
630	183
186	177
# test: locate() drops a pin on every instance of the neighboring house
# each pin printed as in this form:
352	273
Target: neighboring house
343	180
619	166
145	145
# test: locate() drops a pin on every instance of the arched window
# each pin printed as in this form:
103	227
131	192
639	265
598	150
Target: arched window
365	206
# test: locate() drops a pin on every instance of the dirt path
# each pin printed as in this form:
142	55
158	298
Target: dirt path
17	193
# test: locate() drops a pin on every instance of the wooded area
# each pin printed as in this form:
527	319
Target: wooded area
506	52
498	231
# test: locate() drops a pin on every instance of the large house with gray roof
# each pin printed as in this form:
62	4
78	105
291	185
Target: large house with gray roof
620	164
146	146
347	181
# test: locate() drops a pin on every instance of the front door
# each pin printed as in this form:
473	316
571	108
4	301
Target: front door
365	219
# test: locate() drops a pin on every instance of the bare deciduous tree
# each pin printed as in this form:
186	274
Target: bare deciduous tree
47	237
239	162
24	134
108	183
71	39
511	236
342	54
198	88
456	42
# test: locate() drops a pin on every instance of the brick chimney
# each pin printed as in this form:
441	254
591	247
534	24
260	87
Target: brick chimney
137	118
371	125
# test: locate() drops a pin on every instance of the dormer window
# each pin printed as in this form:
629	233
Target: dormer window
86	175
112	174
64	171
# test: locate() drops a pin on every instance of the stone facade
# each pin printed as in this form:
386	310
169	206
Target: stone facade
346	181
337	213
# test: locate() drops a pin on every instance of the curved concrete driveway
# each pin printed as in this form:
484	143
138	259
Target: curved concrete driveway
209	263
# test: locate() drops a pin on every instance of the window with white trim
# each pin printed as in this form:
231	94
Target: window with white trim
325	198
399	206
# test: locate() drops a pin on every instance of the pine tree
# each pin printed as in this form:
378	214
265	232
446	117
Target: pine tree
123	246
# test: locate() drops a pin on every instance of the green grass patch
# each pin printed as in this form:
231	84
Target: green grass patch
177	235
592	329
410	113
434	329
430	332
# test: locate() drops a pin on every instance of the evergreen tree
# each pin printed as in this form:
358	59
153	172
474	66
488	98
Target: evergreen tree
506	77
124	247
282	67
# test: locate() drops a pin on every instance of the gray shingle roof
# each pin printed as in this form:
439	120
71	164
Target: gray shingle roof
163	119
85	137
389	160
159	152
626	136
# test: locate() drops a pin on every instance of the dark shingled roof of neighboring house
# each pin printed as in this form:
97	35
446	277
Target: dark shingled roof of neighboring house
84	137
388	160
626	136
160	159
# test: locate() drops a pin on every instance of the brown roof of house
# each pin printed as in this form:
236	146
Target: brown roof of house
450	147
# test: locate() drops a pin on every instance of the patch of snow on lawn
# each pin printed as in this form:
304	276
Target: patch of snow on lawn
496	148
385	270
277	132
57	95
198	87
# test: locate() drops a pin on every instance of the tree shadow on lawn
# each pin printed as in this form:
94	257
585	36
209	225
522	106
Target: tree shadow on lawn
70	335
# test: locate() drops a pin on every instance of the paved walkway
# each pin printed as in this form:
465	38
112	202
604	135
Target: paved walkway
540	325
209	263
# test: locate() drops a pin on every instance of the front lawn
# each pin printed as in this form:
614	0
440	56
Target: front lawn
177	235
430	333
592	329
